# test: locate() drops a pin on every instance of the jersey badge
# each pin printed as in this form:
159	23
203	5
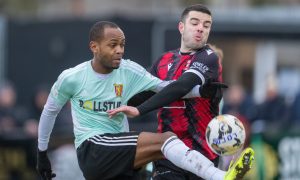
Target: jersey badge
118	89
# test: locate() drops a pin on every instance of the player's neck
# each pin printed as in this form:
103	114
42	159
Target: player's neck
185	50
98	68
186	53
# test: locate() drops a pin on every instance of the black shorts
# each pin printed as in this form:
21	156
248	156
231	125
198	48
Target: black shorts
108	156
166	170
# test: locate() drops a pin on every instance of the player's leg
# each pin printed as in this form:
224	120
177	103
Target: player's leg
149	147
153	146
166	170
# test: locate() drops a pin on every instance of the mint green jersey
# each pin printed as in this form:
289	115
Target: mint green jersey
91	95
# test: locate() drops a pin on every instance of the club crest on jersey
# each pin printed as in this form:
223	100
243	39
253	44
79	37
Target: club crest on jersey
118	89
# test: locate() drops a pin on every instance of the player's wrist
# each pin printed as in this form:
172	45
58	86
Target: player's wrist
41	153
137	112
140	110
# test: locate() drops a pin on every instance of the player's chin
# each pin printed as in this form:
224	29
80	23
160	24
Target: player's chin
116	66
196	45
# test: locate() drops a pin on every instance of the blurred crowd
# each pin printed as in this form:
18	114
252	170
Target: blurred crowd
21	121
275	110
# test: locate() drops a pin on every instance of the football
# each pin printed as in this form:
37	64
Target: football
225	135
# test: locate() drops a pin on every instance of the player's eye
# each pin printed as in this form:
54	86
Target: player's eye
207	25
194	23
112	45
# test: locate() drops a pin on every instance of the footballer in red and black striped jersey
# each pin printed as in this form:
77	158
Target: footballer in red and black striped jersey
188	118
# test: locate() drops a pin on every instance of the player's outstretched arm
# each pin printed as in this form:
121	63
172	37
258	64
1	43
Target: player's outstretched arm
129	111
46	124
170	93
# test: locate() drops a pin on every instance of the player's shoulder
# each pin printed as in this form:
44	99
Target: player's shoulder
129	65
73	73
207	53
76	69
128	62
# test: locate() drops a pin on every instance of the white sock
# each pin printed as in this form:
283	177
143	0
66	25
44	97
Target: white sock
180	155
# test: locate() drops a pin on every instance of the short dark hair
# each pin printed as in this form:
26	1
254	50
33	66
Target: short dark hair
97	30
195	7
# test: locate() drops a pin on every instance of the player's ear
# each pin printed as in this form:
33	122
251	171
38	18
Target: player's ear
93	46
180	27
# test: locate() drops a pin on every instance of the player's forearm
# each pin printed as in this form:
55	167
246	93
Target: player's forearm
191	94
170	93
161	85
46	123
140	98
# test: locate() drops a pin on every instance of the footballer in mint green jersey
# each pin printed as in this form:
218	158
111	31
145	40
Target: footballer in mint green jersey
92	94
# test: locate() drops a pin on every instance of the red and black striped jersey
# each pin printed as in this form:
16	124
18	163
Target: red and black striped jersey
188	118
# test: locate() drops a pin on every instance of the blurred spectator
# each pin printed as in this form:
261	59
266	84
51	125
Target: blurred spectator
238	103
38	101
31	128
242	106
273	110
12	115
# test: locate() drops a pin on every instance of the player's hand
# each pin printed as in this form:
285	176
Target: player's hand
129	111
44	166
210	89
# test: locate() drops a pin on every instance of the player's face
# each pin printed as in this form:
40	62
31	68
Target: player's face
109	51
194	31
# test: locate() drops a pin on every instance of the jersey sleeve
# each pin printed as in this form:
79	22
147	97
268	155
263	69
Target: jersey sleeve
63	89
46	124
206	68
142	80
